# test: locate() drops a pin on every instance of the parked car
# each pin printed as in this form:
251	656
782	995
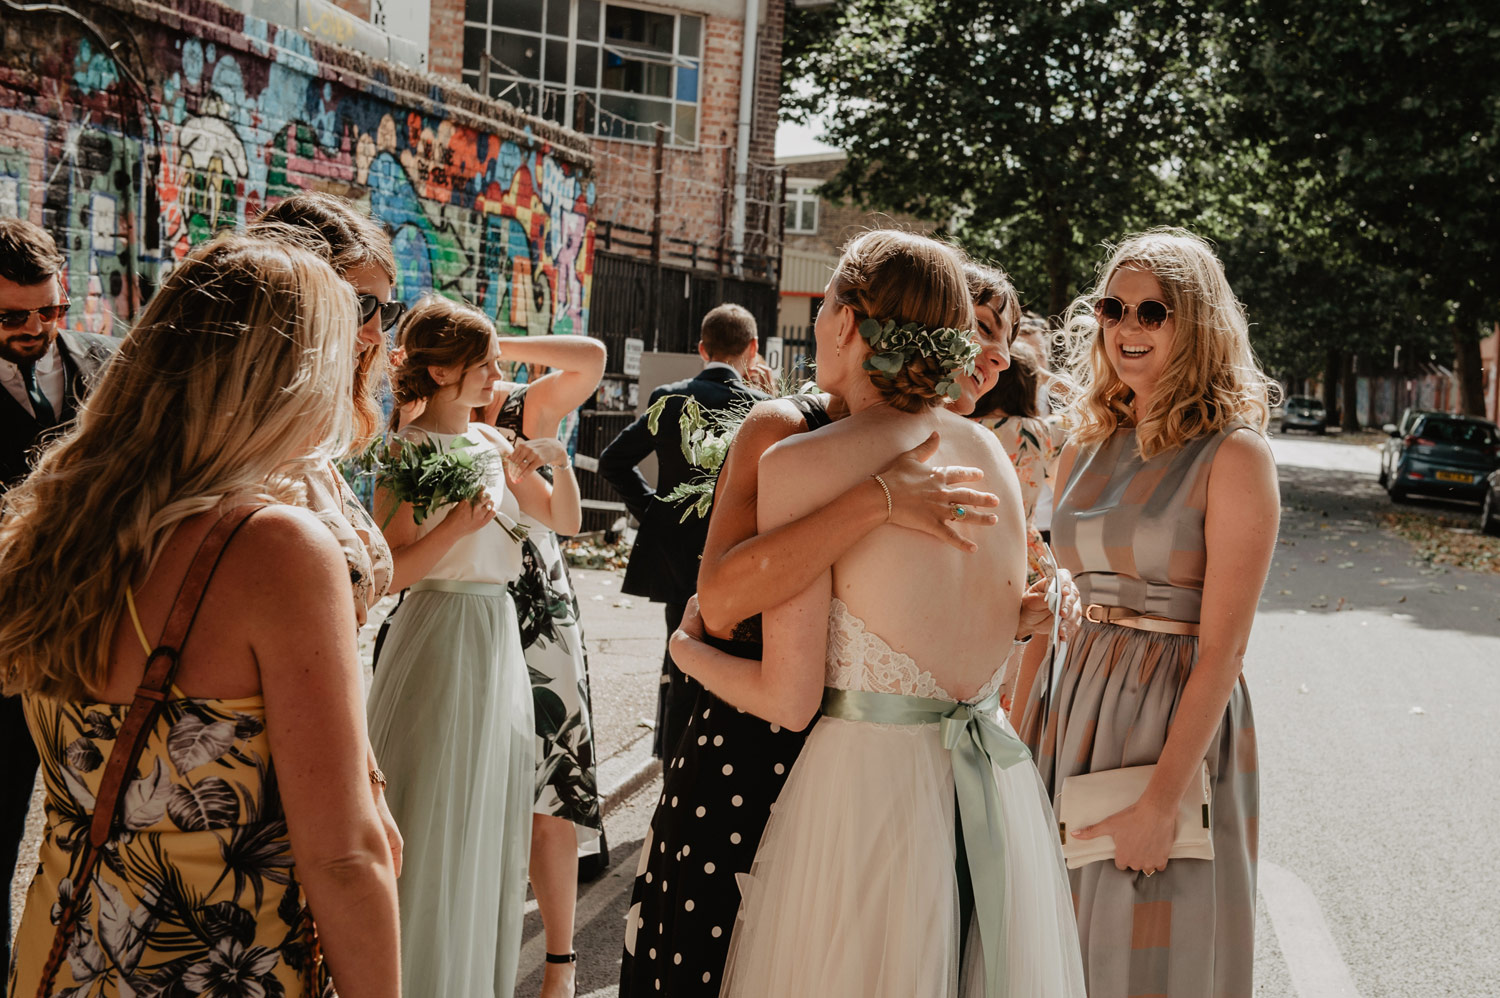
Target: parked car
1442	455
1395	433
1302	412
1489	506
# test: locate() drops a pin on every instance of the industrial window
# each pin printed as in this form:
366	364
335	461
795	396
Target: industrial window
606	69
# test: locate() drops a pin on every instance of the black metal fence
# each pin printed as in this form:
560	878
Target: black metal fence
662	306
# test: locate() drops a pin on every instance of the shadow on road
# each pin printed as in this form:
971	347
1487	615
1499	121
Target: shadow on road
1336	554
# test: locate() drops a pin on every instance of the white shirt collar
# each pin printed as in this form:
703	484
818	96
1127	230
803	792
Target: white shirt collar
713	364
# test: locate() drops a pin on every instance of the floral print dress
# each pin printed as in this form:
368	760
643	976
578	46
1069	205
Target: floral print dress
567	782
198	894
1034	445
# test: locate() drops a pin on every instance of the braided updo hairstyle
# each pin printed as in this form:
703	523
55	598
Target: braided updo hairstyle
438	332
891	274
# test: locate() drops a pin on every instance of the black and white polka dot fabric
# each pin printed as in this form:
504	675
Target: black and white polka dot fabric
717	792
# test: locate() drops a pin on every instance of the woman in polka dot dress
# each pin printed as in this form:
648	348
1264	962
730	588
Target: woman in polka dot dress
721	780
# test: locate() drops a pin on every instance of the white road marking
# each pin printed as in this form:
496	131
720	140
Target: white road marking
1312	957
590	903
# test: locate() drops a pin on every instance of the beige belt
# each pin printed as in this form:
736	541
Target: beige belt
1123	616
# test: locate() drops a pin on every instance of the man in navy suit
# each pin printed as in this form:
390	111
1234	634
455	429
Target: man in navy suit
44	373
664	562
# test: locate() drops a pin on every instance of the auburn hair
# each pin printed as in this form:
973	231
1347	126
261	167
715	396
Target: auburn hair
893	274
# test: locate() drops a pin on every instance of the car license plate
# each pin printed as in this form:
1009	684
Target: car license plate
1454	476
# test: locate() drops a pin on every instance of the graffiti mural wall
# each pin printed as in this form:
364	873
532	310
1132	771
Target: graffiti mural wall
482	203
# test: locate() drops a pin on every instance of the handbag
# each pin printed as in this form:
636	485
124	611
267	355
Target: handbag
135	729
1089	798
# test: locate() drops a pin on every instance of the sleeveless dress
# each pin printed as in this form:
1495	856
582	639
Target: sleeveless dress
451	723
859	887
717	792
200	890
365	549
1034	445
567	780
1131	531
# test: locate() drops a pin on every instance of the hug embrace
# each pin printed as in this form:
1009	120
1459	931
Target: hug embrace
847	813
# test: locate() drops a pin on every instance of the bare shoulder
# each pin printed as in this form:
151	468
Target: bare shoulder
1244	456
286	545
492	435
768	423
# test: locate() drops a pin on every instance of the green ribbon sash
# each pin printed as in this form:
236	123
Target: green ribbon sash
978	742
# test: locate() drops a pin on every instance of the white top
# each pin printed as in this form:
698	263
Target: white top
50	377
488	554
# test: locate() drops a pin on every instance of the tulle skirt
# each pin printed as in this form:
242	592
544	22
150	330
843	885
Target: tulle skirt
451	725
854	891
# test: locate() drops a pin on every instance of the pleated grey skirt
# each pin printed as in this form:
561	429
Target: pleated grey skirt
1188	931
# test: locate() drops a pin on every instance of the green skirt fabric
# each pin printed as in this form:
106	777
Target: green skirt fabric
451	724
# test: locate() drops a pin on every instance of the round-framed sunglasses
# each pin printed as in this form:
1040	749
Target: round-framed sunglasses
390	311
1149	313
47	313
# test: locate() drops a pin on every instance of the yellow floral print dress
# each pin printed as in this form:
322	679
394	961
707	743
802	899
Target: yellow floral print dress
1034	445
198	894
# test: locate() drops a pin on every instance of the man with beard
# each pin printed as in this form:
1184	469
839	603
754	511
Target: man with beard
44	373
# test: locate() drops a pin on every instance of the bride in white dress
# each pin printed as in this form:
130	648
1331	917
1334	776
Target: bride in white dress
913	851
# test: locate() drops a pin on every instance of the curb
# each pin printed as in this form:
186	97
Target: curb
625	772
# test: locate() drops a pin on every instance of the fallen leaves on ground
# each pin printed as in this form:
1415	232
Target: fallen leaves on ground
1447	540
593	552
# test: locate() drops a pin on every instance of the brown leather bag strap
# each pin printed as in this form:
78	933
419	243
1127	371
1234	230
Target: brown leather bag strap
161	667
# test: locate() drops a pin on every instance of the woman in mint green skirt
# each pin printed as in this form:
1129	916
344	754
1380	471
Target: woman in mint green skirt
451	717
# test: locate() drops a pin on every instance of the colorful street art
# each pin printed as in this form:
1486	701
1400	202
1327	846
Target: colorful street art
504	224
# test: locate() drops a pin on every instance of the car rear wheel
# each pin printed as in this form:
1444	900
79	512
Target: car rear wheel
1487	524
1397	491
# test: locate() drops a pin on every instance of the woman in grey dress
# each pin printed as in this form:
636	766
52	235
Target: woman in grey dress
1167	518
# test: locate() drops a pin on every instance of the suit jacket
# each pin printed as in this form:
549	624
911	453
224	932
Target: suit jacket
83	356
664	562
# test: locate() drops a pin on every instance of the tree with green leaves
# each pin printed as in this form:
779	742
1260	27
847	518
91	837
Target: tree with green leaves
1035	132
1389	114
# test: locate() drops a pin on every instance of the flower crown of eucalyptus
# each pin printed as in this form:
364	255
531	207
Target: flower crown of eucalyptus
892	347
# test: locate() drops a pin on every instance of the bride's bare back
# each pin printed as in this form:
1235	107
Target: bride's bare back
954	613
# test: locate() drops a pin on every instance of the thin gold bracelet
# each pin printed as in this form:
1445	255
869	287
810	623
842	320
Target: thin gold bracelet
889	507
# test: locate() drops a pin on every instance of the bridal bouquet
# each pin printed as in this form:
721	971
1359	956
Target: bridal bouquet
430	477
706	435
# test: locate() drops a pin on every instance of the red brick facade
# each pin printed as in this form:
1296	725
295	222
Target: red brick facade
696	190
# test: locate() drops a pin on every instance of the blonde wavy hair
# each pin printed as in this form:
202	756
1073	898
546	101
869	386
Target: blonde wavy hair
336	229
234	383
1211	379
894	274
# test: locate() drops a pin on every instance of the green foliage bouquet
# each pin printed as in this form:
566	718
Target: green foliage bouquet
429	476
706	436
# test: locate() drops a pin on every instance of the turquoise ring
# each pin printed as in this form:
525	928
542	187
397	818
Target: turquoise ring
959	512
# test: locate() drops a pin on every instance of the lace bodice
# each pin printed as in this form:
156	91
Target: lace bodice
859	659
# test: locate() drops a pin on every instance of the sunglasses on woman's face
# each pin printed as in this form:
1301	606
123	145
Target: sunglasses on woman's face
47	313
1149	313
390	311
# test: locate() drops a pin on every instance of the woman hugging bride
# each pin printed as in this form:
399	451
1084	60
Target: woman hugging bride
912	851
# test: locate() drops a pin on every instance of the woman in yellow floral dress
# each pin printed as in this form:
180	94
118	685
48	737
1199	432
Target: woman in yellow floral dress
251	813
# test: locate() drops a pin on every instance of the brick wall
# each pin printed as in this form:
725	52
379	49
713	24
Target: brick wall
483	202
839	221
696	215
445	39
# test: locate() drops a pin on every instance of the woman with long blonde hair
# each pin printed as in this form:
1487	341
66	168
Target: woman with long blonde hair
1166	514
360	252
251	813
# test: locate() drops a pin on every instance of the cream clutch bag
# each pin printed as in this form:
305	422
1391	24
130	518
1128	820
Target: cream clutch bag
1092	797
